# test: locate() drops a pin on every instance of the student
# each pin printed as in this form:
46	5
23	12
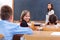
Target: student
25	18
9	29
52	25
50	11
53	21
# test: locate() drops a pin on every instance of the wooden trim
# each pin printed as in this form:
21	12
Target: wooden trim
13	9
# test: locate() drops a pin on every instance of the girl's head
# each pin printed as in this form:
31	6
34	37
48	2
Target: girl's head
50	6
25	15
52	19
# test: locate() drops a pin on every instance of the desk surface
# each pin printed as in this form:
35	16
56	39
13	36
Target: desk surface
42	35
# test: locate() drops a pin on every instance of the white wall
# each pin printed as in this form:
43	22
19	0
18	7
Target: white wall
6	2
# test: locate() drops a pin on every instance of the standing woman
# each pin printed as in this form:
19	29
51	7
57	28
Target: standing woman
50	11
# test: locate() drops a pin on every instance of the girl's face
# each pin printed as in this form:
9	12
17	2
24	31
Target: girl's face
49	6
27	17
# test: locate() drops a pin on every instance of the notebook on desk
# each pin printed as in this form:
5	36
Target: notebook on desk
55	33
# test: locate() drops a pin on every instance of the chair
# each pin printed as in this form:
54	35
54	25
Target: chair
17	36
1	37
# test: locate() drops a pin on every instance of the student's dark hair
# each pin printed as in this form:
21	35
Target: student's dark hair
6	12
24	12
52	19
51	7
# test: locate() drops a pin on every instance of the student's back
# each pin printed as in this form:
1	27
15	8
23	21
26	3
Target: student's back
6	29
9	29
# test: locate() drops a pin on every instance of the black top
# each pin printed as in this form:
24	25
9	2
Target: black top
24	24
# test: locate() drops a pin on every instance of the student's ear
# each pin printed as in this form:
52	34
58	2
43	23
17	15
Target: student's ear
11	19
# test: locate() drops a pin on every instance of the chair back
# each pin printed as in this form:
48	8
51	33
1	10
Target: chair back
1	37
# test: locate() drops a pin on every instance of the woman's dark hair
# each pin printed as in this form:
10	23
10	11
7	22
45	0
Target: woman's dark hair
24	12
51	7
52	19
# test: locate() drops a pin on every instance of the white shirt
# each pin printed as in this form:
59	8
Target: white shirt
47	16
51	12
